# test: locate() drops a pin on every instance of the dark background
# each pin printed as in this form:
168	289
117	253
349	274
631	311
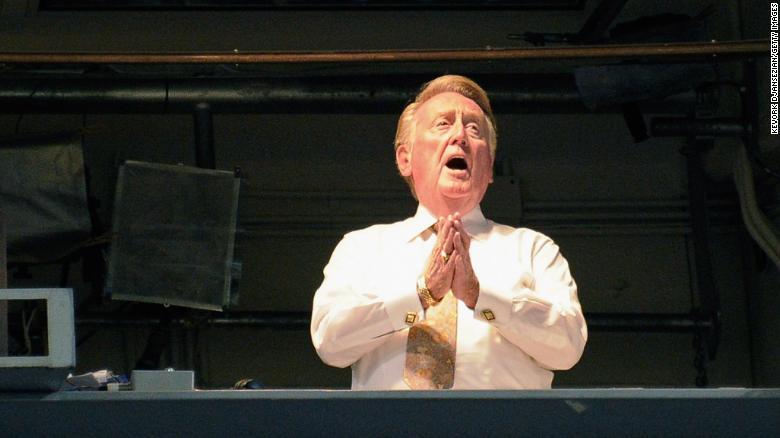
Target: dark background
618	207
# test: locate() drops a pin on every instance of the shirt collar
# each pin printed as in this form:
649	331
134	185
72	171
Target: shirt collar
475	223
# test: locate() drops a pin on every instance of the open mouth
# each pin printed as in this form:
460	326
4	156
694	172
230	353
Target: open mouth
457	163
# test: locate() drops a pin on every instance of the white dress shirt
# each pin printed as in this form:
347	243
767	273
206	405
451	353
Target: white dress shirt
527	320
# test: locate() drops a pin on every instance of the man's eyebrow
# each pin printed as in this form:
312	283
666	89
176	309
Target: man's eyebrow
467	112
472	116
445	112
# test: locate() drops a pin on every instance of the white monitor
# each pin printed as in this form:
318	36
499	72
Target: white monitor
47	371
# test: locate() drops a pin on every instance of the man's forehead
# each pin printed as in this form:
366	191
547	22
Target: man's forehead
447	102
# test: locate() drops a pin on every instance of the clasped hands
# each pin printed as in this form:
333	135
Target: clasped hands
449	264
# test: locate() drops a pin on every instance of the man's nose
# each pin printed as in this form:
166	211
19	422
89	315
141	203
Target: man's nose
458	134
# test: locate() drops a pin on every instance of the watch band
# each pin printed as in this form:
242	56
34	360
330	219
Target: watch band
424	292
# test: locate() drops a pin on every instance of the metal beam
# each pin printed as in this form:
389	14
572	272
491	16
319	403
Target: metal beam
708	296
203	122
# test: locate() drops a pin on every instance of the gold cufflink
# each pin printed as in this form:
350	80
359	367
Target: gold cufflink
488	314
411	317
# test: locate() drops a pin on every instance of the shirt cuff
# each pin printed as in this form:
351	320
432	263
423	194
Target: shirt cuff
493	306
403	308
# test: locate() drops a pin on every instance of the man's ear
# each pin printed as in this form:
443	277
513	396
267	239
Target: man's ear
403	159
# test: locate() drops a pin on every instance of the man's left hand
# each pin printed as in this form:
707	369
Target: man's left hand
465	285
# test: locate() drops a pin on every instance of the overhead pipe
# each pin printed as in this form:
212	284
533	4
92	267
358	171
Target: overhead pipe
344	94
756	47
686	127
348	94
597	322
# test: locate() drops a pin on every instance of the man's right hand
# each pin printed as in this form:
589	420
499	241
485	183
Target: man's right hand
439	272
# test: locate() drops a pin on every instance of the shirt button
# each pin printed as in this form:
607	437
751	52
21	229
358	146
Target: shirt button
411	317
488	314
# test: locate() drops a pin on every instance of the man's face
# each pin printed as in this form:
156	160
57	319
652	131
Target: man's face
450	161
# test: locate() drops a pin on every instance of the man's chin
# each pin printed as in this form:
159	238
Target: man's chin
455	192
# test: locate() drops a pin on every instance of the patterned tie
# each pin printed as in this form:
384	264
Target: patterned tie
430	347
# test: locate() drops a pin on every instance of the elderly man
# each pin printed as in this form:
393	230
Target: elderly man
447	298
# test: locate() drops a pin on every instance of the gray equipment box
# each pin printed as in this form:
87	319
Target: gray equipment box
162	381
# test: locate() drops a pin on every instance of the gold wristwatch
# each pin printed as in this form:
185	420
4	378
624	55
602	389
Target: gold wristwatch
424	292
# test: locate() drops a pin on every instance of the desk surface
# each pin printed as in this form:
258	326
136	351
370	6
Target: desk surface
560	412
